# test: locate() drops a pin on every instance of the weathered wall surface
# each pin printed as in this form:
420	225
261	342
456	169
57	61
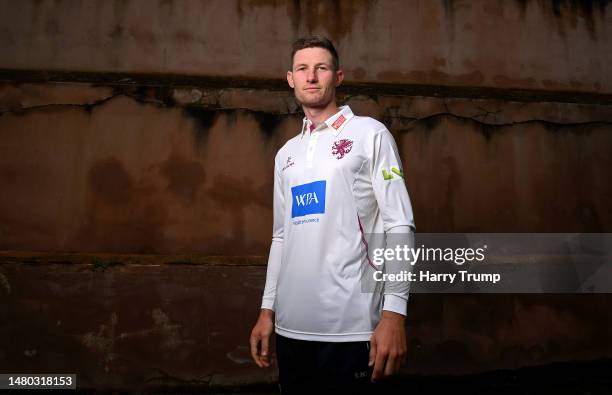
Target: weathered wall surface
135	127
188	171
553	45
87	169
185	326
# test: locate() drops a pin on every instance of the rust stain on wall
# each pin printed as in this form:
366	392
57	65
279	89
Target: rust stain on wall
205	165
438	62
586	10
111	183
122	215
377	36
203	119
268	123
184	177
335	17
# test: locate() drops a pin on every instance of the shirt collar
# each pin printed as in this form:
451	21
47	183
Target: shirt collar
336	122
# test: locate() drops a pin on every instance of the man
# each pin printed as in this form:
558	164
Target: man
335	184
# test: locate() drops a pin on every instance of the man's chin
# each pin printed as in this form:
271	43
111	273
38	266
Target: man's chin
314	103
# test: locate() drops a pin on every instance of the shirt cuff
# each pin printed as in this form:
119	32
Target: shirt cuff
395	303
267	304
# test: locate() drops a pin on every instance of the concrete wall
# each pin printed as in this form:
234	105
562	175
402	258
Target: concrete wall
553	45
89	169
182	326
133	127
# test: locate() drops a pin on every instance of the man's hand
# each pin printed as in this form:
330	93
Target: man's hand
260	338
388	345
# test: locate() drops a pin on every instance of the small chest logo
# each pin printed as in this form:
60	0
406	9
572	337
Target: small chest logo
308	199
341	148
289	163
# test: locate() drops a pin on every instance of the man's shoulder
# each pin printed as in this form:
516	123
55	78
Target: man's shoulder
292	141
366	124
370	131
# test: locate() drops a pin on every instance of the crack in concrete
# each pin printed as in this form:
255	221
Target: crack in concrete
165	81
485	114
87	106
500	125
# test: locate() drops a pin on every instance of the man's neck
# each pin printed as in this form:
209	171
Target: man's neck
318	115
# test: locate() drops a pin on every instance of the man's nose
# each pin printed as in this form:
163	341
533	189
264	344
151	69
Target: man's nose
312	75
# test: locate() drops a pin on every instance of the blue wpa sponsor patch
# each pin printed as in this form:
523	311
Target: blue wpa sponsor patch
308	199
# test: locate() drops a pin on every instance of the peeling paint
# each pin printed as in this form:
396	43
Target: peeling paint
187	96
103	340
169	331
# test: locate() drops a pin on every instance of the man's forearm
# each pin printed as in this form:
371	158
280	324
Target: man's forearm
274	265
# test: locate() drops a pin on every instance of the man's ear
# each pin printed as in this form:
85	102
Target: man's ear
290	79
339	77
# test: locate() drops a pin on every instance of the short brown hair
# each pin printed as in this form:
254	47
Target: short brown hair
316	42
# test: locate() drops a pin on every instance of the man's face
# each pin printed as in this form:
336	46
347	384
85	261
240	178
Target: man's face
313	78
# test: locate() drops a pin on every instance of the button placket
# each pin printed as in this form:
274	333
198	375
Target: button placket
311	148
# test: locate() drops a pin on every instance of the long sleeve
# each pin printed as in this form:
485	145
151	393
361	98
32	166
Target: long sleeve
274	265
276	248
396	211
396	292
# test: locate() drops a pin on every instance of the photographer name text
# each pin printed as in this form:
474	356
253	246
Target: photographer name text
428	276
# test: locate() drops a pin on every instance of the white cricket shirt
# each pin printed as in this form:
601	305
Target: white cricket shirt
332	187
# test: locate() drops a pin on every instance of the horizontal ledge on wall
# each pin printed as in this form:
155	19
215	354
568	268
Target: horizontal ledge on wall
350	88
105	261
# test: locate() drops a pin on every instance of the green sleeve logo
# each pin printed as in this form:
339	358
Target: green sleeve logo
387	176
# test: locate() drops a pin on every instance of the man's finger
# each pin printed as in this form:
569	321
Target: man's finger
254	342
379	365
391	365
265	352
372	351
